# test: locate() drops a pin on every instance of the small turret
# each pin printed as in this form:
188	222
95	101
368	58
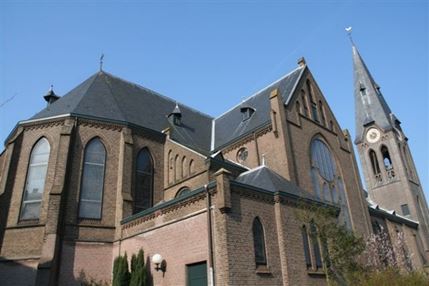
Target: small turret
51	97
176	115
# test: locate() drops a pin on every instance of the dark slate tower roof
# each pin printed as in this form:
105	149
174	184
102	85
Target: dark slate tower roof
370	106
230	126
104	96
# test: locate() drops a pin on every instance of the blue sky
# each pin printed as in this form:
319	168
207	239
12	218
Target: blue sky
212	54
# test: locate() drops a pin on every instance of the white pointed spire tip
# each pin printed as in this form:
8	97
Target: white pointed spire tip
348	30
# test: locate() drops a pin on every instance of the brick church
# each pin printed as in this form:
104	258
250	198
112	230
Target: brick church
112	167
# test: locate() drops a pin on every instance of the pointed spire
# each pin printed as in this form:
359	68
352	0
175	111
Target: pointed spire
370	106
51	97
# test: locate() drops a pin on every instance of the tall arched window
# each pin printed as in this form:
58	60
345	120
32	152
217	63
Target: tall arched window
327	182
374	162
91	192
191	167
259	242
176	168
304	103
316	246
143	191
170	167
184	168
322	113
306	245
298	108
35	181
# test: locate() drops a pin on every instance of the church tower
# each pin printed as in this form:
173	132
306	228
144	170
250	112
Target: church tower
390	174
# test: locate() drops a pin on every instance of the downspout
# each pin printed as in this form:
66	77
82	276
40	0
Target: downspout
210	233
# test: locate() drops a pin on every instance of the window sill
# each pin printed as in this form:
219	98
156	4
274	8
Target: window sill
318	272
263	270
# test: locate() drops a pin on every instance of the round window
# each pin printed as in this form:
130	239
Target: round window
242	154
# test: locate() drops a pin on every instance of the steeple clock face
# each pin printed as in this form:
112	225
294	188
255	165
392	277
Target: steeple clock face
373	135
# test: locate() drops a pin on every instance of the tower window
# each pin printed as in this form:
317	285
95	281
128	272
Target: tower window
405	209
374	162
386	158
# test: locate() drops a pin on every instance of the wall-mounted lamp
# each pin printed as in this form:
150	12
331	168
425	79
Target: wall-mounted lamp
160	263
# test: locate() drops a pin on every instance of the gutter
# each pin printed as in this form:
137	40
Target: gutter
209	236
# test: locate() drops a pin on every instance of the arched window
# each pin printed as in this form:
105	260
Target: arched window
182	191
191	167
170	167
306	245
327	182
35	181
304	103
386	158
322	113
259	242
316	246
374	162
298	108
91	192
176	168
143	191
184	168
331	125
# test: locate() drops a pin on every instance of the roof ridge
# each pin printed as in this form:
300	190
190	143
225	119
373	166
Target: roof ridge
114	98
156	93
260	90
94	77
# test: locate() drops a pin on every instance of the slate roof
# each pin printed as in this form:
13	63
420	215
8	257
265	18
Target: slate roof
373	108
264	178
230	125
108	97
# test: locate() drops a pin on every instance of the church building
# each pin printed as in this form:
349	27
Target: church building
113	167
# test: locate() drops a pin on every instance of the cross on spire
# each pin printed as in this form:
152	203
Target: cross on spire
101	62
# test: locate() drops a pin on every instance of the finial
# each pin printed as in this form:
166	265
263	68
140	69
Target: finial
349	34
51	88
101	62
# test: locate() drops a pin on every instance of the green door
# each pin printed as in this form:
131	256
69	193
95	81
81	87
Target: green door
197	274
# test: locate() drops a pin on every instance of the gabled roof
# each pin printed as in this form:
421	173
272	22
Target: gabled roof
230	125
371	108
105	96
264	178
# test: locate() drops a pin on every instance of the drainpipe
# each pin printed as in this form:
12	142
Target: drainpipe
210	231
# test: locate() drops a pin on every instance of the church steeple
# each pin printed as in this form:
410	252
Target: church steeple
370	106
387	164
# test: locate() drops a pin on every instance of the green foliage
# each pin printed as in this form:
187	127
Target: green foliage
341	248
138	274
343	258
121	274
390	277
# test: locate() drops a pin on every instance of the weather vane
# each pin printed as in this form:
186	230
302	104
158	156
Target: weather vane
349	33
101	62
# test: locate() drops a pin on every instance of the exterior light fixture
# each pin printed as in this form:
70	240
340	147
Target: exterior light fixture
160	263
